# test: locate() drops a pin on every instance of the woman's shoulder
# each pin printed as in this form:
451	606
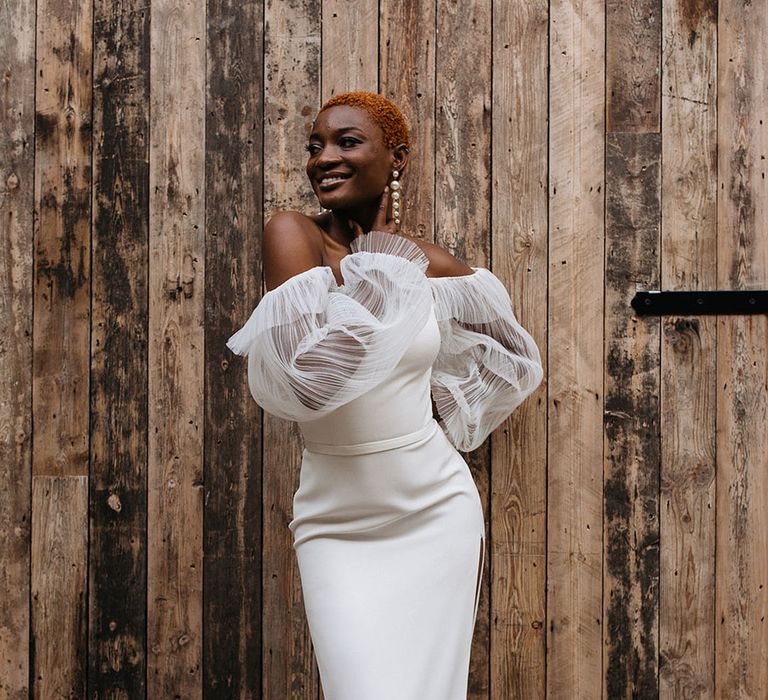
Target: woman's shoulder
291	220
291	243
293	228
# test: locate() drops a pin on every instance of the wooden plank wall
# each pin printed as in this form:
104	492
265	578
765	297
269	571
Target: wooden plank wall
688	260
581	150
741	562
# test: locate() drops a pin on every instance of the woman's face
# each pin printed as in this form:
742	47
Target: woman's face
349	164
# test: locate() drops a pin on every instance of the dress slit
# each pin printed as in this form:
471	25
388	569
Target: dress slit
481	562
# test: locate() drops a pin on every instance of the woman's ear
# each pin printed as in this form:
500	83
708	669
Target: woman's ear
400	157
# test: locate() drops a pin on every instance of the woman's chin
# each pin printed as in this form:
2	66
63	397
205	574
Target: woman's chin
328	202
347	204
335	203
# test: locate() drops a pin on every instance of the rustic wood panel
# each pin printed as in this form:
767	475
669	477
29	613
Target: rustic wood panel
58	582
407	76
631	354
631	419
350	46
60	385
17	203
517	533
463	215
688	247
232	581
176	319
292	98
575	314
633	49
62	237
117	571
741	598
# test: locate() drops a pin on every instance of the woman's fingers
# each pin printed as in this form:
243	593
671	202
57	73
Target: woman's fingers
381	219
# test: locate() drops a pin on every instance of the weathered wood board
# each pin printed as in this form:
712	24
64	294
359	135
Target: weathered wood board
575	341
518	514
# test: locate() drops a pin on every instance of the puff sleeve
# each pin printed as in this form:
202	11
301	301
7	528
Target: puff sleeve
314	345
487	364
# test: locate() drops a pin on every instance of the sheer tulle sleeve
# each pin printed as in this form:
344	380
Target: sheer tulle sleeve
487	364
314	345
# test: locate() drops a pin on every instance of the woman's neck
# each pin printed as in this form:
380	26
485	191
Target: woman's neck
339	227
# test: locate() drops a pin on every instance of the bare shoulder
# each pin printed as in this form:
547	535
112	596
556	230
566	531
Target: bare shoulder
290	245
287	220
441	262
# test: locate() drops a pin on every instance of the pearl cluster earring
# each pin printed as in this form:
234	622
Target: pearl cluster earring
395	187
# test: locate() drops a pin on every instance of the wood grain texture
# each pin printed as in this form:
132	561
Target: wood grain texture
292	98
407	77
463	214
631	353
17	204
688	248
575	315
60	382
741	598
117	639
292	40
631	419
63	88
232	591
350	46
633	75
58	582
518	540
176	318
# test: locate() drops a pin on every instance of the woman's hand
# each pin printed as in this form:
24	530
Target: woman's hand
383	221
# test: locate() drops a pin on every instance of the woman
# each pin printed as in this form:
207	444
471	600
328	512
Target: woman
360	322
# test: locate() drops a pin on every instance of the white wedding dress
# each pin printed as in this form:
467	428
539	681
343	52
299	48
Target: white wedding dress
388	525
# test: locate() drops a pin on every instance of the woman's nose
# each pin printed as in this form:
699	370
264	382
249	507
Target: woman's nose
327	156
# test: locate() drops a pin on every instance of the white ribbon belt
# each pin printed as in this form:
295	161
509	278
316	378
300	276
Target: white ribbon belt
363	448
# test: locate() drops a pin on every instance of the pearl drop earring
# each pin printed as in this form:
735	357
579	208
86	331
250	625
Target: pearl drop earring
395	187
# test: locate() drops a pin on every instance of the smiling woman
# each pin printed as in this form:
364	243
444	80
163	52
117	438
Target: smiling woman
391	355
358	146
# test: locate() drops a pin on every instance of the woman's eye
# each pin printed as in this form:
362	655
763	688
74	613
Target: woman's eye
347	142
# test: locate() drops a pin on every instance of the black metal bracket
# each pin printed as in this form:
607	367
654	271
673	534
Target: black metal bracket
655	303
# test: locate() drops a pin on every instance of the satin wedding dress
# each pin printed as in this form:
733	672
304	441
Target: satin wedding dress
387	525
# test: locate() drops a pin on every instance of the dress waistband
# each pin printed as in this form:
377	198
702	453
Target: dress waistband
363	448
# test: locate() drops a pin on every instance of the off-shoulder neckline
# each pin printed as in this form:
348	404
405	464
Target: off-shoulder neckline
407	249
330	269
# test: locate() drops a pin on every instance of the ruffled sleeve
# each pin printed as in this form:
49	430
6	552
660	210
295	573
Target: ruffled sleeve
487	364
314	345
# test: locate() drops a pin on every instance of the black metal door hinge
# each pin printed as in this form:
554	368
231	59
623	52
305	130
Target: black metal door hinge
654	303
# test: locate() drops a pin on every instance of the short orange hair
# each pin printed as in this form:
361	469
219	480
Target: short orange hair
383	112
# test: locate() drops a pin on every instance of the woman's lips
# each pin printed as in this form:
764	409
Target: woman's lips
331	182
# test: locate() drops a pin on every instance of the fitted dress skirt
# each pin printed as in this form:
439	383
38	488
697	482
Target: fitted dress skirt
390	540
